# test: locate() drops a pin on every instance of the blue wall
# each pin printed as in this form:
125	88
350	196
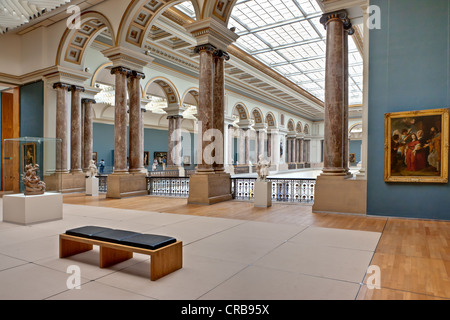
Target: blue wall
32	110
409	70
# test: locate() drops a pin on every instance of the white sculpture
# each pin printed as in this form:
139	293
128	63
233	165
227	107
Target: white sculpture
92	170
262	168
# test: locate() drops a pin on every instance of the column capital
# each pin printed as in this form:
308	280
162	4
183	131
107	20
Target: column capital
342	16
175	116
221	54
136	74
87	100
74	88
205	47
120	69
62	85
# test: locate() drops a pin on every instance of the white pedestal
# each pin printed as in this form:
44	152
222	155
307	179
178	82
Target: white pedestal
24	210
263	194
92	186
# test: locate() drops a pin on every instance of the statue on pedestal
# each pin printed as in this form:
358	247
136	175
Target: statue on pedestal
32	182
92	170
262	168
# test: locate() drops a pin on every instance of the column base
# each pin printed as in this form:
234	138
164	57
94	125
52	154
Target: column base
66	182
126	185
207	189
338	194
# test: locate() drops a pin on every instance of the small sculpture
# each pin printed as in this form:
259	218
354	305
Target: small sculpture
262	168
32	182
92	169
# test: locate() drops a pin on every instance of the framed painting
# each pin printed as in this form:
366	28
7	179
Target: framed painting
161	157
416	146
28	154
94	157
146	158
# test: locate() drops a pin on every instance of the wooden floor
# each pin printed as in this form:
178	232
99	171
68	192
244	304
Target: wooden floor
413	255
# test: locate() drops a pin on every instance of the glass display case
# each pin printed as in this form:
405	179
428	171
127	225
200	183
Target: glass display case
30	166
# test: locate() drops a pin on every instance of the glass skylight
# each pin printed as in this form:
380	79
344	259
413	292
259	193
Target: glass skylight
287	36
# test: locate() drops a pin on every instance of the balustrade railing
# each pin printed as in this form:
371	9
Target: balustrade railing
168	186
283	190
102	186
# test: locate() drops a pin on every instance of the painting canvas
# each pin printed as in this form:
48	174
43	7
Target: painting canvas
416	146
28	154
146	160
161	157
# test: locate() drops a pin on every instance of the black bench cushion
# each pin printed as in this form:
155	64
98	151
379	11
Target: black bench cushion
148	241
129	238
116	236
87	231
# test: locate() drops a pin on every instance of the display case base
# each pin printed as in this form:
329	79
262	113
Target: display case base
25	210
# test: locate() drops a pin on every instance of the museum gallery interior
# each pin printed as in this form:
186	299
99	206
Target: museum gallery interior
224	150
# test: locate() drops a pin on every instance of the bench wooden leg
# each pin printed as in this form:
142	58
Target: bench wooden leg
109	256
69	248
166	261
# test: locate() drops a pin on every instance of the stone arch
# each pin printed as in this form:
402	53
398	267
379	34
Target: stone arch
167	87
74	42
191	95
257	115
271	120
241	111
138	20
299	127
291	125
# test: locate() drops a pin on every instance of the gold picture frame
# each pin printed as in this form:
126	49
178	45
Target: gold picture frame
416	146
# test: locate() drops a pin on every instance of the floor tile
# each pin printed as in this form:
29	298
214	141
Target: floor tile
198	275
259	283
321	261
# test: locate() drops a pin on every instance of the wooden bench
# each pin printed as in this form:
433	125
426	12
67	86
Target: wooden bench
166	253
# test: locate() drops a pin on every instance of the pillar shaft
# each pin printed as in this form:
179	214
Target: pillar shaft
205	111
88	136
219	108
120	120
61	124
75	131
136	155
336	94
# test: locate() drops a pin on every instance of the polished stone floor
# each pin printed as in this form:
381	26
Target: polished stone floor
224	259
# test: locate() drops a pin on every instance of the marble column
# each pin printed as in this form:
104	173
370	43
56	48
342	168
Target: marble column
174	154
230	144
88	136
336	95
61	124
136	155
220	57
269	145
75	130
247	146
120	120
143	111
205	110
242	134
